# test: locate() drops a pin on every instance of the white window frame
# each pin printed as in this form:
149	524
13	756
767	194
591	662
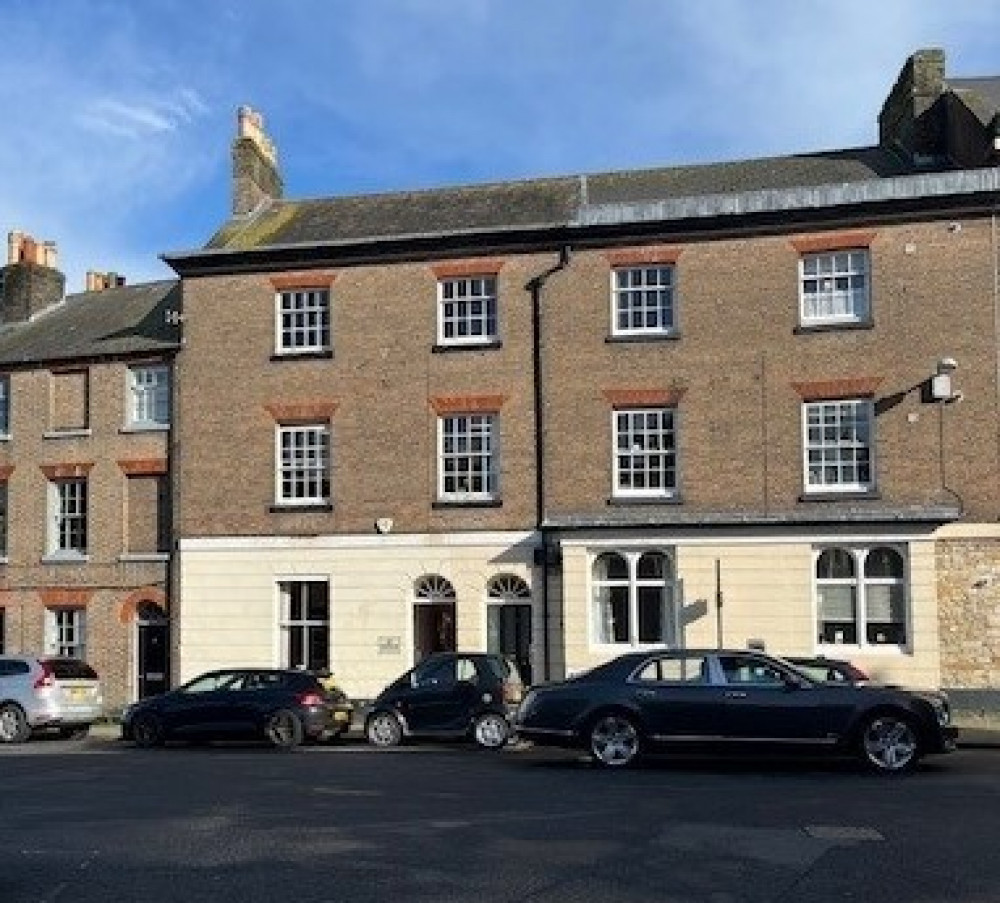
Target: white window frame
835	449
645	296
482	482
468	310
305	313
600	630
149	396
307	466
66	632
68	516
842	282
862	585
647	443
286	587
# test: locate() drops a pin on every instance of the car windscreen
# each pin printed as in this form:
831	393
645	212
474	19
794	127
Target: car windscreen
70	669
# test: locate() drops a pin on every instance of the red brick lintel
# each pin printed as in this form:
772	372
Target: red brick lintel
301	411
467	404
644	398
136	467
832	389
482	266
832	241
66	471
307	280
651	254
65	597
5	471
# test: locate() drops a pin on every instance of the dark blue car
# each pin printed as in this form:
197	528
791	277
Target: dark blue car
284	707
738	700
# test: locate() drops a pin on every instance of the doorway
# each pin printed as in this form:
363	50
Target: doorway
508	633
153	659
433	629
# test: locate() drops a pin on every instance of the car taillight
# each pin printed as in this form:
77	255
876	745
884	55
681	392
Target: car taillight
46	678
311	698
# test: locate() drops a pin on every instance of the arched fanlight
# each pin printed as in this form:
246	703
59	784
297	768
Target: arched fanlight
508	586
435	588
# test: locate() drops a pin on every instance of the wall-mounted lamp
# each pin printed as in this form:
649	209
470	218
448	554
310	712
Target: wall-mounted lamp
941	388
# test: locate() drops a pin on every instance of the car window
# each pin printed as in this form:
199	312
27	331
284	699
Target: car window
207	683
13	667
435	673
465	669
748	670
266	680
70	669
683	669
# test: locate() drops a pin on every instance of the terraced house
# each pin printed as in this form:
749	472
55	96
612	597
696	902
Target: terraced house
746	402
84	491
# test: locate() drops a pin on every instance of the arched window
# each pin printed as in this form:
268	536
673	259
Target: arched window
507	586
861	596
633	598
433	588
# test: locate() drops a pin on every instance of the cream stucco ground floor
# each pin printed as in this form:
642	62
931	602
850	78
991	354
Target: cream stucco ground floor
908	603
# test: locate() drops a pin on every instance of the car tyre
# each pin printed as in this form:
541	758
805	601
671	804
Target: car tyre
14	726
284	729
384	730
888	743
491	731
147	731
614	740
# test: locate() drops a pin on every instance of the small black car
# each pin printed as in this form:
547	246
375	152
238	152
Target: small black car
449	695
711	699
284	707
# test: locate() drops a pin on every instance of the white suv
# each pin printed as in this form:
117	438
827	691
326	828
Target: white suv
47	693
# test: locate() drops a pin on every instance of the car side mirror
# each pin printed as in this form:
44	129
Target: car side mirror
794	682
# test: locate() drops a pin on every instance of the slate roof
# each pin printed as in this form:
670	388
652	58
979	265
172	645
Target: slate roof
116	322
981	95
537	203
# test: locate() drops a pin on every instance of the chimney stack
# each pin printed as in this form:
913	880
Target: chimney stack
256	179
99	282
30	282
912	119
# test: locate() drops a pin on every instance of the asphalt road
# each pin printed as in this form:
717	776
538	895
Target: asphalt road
100	822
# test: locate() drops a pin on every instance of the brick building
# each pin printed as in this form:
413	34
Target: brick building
738	402
84	420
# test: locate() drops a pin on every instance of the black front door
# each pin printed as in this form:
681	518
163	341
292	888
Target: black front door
508	633
433	629
154	644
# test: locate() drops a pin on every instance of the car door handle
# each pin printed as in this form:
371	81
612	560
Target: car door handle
736	694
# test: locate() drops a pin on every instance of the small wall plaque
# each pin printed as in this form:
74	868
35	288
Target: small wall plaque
389	645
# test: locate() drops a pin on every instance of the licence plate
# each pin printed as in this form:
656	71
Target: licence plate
341	716
78	693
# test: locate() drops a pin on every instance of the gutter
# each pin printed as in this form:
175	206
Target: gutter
535	286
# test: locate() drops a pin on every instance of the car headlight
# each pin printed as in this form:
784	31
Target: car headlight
942	711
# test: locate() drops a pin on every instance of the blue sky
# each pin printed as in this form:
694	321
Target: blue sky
118	117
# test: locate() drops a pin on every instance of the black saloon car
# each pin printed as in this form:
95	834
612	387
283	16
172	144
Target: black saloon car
698	699
449	695
284	707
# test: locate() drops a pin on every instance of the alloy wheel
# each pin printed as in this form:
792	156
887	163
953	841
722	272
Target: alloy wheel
284	729
614	741
889	744
13	725
491	731
384	730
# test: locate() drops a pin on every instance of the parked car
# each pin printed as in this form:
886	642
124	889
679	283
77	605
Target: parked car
285	707
829	670
47	693
737	700
449	695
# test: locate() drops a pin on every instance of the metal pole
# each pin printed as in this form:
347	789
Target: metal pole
718	603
